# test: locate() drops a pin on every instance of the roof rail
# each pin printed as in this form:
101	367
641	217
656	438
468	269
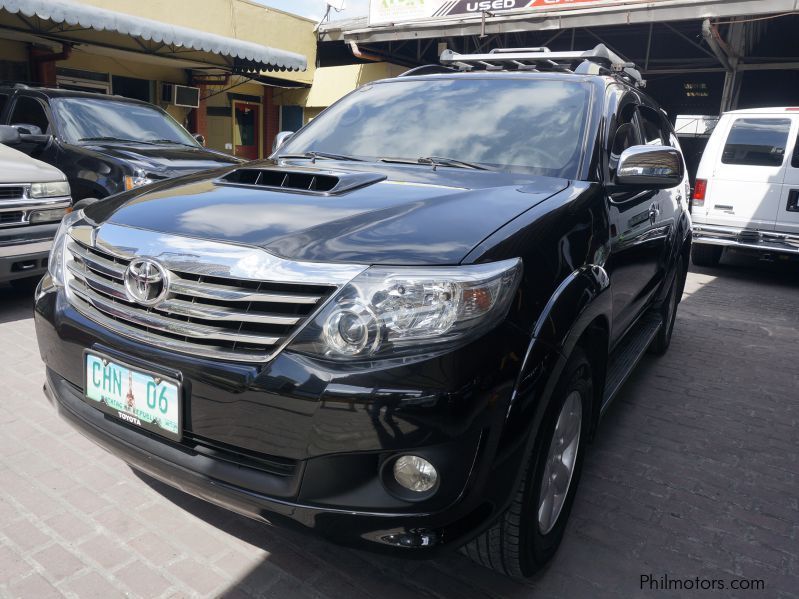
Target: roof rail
600	60
427	69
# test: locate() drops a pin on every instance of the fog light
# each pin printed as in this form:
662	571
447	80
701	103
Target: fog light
415	473
47	216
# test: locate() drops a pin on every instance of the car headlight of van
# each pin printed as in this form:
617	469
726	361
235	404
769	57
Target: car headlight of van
56	264
389	312
55	189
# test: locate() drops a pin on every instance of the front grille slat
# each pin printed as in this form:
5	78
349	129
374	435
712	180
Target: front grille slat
234	294
152	320
206	312
98	263
209	316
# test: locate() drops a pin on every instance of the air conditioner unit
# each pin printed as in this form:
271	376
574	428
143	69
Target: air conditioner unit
180	95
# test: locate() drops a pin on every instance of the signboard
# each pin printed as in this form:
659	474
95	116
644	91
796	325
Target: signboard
387	12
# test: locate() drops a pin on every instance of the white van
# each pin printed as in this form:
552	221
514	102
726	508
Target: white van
747	187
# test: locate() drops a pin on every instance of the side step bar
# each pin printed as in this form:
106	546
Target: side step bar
629	352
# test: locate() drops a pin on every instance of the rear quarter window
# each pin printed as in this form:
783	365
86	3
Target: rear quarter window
3	102
757	142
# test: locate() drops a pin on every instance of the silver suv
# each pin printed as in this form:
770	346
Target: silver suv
34	197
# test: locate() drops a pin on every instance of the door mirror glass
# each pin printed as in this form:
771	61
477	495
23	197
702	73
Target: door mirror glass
200	139
652	167
8	135
280	139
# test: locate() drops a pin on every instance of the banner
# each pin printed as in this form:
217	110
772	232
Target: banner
386	12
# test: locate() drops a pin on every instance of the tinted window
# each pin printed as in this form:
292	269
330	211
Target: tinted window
28	111
625	136
653	128
534	126
757	142
3	100
87	119
795	160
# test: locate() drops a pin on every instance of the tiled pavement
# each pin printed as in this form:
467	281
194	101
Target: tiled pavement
695	473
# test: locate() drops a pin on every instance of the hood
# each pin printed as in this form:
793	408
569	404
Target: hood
16	167
369	214
163	160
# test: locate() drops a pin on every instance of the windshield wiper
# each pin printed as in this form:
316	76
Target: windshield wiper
131	141
439	161
169	141
442	161
314	155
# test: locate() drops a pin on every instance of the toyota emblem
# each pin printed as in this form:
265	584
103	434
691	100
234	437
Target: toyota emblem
146	282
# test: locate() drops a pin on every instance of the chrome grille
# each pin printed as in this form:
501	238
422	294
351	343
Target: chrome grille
205	315
11	193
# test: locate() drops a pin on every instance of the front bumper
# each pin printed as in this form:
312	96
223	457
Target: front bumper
24	250
333	486
747	239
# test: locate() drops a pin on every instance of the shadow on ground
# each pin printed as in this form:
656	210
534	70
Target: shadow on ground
16	302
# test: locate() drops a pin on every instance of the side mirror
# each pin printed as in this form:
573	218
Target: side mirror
200	139
27	129
280	139
8	135
652	167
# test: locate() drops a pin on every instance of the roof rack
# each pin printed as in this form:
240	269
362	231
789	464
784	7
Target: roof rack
599	61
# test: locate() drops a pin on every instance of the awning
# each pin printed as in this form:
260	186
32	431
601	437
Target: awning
162	38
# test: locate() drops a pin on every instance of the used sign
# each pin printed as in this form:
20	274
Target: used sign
386	12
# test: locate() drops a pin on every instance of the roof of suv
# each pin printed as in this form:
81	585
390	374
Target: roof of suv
51	92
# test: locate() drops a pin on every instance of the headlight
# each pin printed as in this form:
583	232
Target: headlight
56	189
56	262
137	181
388	312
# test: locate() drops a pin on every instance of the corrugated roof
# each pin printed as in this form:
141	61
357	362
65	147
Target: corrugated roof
100	19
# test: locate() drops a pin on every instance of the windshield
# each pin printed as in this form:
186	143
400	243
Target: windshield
90	119
528	125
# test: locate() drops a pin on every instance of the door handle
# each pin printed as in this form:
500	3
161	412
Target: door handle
793	201
654	212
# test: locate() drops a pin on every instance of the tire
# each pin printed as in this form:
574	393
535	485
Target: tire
516	545
668	310
706	255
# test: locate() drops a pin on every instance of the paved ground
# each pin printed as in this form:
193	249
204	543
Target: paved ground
695	474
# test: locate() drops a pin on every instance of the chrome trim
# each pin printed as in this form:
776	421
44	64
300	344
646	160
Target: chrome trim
751	239
153	320
26	205
215	259
23	249
97	258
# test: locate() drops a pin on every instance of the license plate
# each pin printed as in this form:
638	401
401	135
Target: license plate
139	397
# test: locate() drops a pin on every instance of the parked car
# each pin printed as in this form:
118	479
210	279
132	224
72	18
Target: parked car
34	197
747	191
104	144
402	330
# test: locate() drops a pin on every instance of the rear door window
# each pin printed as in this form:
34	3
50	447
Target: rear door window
3	102
757	142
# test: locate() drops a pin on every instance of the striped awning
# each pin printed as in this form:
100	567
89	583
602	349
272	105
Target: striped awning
245	55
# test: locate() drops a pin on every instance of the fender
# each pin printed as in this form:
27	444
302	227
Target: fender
579	300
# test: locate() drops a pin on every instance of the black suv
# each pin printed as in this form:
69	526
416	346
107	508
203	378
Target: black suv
402	330
103	144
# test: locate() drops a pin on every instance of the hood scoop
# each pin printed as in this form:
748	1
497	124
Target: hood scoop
298	180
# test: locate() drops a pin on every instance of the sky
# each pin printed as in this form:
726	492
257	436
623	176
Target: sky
315	9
